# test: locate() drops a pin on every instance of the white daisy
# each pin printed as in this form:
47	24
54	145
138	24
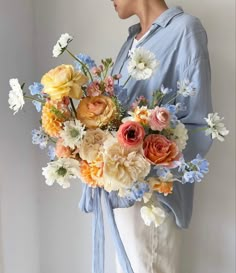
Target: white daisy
216	127
152	214
61	44
185	88
16	97
61	171
142	64
72	133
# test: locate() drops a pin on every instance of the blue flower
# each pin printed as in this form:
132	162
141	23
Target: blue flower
38	105
195	170
39	138
36	89
137	191
84	59
51	152
201	164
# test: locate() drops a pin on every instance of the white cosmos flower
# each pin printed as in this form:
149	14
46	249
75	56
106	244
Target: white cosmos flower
61	171
72	133
152	214
180	136
216	127
142	64
185	88
16	97
61	44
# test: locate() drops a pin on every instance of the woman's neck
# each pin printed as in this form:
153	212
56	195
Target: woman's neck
148	12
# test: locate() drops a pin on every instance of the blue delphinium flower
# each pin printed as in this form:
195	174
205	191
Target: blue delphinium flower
201	164
39	138
86	60
51	152
36	90
137	191
195	170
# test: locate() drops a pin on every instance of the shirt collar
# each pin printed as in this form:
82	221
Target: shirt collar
162	20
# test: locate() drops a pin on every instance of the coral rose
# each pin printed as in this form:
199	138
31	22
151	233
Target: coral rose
159	118
96	111
130	134
63	81
160	151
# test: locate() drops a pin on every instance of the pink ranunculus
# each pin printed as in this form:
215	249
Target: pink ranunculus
93	89
159	150
131	134
61	150
109	85
159	118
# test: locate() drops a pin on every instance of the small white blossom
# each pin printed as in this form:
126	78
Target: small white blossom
216	127
61	171
142	64
72	133
61	44
16	97
180	136
185	88
152	214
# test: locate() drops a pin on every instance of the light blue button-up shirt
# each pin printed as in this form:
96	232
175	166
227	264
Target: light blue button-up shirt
179	42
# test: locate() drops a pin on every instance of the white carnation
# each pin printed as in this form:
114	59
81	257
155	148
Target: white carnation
61	171
152	214
16	97
61	44
142	64
122	167
92	144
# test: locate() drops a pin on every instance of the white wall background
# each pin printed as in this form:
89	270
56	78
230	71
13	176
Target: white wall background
42	228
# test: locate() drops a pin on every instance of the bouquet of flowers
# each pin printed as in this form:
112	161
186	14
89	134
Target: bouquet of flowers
96	136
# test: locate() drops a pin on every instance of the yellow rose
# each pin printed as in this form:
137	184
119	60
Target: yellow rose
63	81
96	111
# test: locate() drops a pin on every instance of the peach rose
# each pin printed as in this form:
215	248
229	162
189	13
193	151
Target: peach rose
160	151
159	118
96	111
130	134
61	150
63	81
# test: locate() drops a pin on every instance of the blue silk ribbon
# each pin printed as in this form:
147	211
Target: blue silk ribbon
91	202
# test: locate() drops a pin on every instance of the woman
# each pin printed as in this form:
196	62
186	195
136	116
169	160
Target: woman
179	42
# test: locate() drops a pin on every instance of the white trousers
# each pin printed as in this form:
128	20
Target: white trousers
150	249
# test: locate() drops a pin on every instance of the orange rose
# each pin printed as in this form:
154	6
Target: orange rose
63	81
61	150
160	151
96	111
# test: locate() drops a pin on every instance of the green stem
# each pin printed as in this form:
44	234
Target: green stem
173	98
51	139
32	98
83	65
126	81
198	130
